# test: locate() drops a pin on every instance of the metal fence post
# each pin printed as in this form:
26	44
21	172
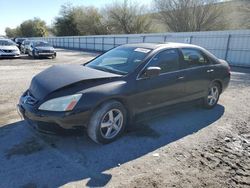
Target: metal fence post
86	42
94	43
79	43
165	38
143	38
127	40
103	44
191	39
228	45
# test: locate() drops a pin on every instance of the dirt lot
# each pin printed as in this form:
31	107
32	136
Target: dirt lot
188	147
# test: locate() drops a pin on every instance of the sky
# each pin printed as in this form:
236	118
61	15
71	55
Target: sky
14	12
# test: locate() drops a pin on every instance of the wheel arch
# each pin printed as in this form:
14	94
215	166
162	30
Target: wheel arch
220	84
123	101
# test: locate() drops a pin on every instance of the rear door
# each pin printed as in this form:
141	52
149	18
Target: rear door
163	89
197	72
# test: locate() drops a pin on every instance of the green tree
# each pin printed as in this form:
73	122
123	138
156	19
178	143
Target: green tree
65	24
29	28
78	20
12	32
89	21
34	28
127	17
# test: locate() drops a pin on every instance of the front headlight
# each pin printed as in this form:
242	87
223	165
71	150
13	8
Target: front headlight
61	104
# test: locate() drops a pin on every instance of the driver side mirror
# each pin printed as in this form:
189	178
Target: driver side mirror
152	72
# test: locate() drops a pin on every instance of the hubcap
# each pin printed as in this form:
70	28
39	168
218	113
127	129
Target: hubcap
111	123
213	95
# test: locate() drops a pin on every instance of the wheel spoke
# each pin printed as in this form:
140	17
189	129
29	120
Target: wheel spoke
106	124
115	126
108	131
117	117
210	96
111	116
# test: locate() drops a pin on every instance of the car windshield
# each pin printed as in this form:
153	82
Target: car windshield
41	43
121	60
20	40
7	43
26	42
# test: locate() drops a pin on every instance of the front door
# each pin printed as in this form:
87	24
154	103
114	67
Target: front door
166	88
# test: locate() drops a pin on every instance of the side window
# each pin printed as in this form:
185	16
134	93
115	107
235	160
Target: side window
193	57
167	60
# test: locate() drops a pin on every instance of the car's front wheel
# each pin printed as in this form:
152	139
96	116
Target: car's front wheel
53	56
107	122
213	95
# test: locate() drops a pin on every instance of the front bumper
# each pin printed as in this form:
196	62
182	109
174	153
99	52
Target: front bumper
45	54
53	121
9	54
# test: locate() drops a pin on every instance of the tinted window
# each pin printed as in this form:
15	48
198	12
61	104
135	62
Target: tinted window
167	60
194	57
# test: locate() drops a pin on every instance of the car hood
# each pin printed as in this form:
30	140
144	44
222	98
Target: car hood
59	76
45	48
8	48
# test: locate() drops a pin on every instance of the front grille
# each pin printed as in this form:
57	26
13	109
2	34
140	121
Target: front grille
28	98
45	51
8	51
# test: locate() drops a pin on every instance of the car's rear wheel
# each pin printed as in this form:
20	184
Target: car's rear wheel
107	122
213	95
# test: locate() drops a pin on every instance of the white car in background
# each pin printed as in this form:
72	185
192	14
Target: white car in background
8	48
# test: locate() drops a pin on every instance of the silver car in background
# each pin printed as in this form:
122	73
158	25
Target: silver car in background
25	46
8	48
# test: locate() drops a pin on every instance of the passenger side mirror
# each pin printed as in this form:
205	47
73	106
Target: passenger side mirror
152	71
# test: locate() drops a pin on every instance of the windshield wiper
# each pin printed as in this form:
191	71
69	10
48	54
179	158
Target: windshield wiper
108	69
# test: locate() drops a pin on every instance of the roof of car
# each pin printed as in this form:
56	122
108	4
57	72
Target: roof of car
4	39
160	45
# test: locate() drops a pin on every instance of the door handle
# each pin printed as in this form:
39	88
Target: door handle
210	70
180	77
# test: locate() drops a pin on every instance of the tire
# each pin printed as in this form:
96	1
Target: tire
33	55
102	128
212	97
53	56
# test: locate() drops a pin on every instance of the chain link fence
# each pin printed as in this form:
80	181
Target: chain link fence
233	46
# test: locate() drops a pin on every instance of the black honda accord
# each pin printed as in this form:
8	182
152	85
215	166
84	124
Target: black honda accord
105	94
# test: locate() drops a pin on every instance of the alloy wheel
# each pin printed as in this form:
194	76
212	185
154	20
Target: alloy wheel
111	123
213	95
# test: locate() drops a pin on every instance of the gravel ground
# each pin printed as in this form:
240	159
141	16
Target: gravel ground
186	147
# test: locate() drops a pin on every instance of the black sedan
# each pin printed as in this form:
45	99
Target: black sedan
38	49
105	94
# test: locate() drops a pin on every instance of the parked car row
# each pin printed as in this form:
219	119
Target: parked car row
34	48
